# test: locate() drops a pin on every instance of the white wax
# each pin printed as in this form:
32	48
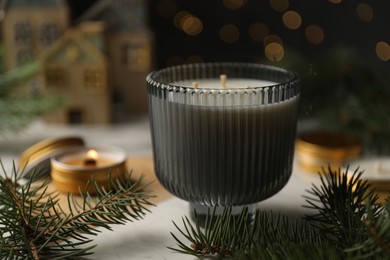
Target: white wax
230	83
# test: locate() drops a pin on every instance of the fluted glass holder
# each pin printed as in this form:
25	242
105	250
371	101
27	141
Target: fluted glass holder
223	145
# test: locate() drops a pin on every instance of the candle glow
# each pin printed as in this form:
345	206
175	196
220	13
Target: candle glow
92	154
91	158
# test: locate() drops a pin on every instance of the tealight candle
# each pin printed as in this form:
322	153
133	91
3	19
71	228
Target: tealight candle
376	171
71	171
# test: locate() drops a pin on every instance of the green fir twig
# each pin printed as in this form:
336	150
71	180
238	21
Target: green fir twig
34	226
347	223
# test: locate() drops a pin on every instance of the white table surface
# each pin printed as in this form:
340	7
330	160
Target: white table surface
150	237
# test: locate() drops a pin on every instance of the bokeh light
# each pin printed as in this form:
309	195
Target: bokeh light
274	50
272	38
179	18
191	25
234	4
166	8
229	33
292	20
314	34
364	12
258	31
187	22
279	5
383	51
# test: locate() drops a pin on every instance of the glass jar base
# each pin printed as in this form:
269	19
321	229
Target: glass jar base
203	211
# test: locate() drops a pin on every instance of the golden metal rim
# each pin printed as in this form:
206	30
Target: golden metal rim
45	147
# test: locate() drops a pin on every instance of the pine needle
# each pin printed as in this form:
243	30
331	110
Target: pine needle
34	226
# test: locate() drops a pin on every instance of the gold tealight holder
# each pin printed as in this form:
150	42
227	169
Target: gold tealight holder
319	149
37	157
71	171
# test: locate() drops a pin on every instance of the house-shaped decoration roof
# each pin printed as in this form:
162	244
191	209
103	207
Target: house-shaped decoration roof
120	15
83	43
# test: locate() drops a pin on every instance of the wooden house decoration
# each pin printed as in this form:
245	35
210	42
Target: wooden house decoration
129	48
76	68
30	26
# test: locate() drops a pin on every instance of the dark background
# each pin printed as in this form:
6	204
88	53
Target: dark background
338	18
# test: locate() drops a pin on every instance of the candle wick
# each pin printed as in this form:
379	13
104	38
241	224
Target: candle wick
223	79
195	84
90	162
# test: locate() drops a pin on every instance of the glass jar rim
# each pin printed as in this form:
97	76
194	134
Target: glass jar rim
203	70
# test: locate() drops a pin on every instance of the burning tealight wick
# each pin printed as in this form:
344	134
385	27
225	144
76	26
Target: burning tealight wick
91	158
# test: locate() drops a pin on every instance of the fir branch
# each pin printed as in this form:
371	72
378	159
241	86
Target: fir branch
235	236
377	243
34	226
340	203
18	112
14	78
348	224
20	109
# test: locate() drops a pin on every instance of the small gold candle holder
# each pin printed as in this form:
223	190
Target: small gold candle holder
319	149
71	171
37	157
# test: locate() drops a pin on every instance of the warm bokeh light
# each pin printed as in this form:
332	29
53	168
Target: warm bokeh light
314	34
364	12
292	20
166	8
229	33
335	1
273	38
179	18
383	51
191	25
258	31
274	51
279	5
234	4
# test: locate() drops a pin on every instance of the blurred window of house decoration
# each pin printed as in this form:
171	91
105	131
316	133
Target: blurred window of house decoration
55	78
93	80
136	56
49	32
23	32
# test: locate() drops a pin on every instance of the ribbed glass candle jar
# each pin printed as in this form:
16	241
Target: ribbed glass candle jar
223	146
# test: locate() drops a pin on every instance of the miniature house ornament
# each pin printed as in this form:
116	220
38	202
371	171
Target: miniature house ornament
129	44
76	68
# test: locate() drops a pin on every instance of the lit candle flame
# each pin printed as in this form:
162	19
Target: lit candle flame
92	154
